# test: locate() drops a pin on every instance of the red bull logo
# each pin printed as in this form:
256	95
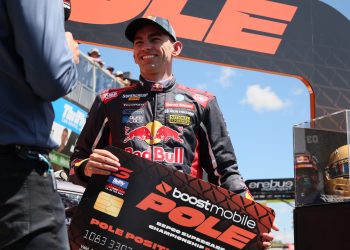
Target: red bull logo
165	133
141	133
157	87
159	154
152	133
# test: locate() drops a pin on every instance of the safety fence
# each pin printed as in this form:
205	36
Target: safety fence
92	80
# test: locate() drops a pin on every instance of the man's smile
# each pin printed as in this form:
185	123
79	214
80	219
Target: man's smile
147	57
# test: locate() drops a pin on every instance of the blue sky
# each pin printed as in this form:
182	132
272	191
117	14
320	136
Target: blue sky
260	110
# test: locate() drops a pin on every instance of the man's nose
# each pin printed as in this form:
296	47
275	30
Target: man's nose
146	45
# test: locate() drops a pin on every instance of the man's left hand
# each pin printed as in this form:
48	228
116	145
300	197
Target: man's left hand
267	238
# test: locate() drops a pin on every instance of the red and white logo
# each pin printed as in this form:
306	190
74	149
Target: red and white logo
159	154
201	99
182	105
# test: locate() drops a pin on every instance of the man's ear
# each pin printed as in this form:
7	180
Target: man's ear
177	48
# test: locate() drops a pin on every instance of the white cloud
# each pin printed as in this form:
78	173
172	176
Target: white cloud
225	75
263	99
298	91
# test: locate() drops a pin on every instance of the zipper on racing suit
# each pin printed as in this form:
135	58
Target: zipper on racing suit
154	117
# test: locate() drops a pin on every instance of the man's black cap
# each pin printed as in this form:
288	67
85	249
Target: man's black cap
138	23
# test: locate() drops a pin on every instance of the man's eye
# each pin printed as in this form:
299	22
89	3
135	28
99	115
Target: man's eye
154	39
137	42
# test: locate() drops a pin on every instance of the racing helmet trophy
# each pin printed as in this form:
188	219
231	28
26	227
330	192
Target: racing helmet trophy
336	173
323	221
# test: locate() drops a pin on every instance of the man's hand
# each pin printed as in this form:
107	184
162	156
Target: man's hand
267	238
101	162
73	46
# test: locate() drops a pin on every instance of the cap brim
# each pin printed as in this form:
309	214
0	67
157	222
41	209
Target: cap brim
137	24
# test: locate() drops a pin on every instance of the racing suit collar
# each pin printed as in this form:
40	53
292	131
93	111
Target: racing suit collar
159	86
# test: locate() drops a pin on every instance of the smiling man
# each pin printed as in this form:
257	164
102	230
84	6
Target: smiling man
154	48
158	119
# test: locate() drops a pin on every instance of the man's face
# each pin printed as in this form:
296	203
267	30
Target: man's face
94	54
153	52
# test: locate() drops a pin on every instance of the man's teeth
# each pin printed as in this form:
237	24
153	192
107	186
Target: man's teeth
148	57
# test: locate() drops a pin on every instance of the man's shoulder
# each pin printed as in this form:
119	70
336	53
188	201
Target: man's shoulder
109	95
201	96
194	90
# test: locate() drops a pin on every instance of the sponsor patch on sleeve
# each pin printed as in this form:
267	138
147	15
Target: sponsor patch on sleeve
201	99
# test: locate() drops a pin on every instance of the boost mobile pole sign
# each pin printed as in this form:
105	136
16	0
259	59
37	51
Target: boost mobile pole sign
148	206
306	39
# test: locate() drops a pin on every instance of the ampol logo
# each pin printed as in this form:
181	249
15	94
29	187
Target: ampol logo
153	133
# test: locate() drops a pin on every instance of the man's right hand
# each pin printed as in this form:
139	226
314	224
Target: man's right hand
73	46
101	162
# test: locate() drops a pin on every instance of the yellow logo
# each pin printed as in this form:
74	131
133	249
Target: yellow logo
179	119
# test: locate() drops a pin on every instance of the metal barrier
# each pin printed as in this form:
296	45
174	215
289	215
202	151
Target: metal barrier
92	79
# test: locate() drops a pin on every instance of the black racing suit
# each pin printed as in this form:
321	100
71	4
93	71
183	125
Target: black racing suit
164	122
